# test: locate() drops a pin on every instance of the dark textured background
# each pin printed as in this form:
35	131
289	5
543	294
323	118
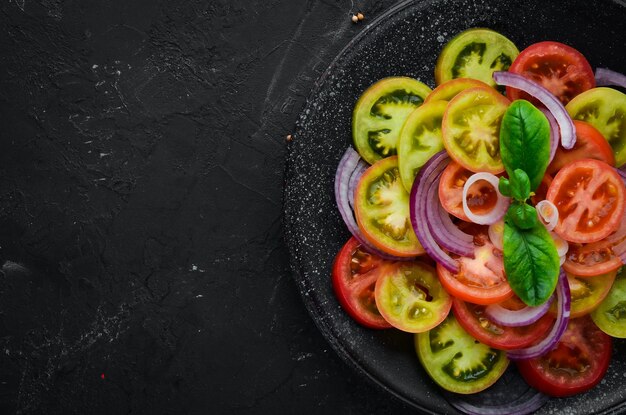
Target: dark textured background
142	149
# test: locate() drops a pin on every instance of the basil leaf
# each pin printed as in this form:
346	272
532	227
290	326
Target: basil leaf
531	262
520	185
525	141
522	215
504	186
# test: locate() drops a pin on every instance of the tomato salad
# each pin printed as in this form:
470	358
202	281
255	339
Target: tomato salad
488	216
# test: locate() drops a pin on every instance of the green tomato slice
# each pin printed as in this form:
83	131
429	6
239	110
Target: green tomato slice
471	129
456	361
380	113
475	53
411	298
381	207
420	139
605	109
610	316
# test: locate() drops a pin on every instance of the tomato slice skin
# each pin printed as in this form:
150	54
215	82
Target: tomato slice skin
456	361
589	195
578	363
381	207
354	277
410	297
605	109
590	144
481	196
561	69
380	112
471	129
473	319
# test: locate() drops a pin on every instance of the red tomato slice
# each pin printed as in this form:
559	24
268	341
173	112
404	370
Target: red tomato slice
354	277
473	319
590	144
561	69
481	196
578	363
588	260
480	280
589	195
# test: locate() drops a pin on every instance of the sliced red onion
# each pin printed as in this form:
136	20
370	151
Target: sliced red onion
496	234
548	213
498	210
354	180
622	173
555	133
606	77
552	103
562	260
562	318
526	404
517	318
441	227
347	166
417	206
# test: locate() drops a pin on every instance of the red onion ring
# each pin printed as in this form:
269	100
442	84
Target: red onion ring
552	103
498	211
347	165
417	206
607	77
555	133
354	180
526	404
517	318
441	227
548	213
550	341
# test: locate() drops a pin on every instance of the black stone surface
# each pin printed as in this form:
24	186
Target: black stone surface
142	150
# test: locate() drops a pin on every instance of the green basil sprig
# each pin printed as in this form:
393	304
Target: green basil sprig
531	261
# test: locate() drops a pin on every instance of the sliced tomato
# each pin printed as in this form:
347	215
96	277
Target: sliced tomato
456	361
420	139
605	109
590	144
610	316
354	276
589	195
471	129
480	280
561	69
380	112
474	320
410	297
587	292
578	363
481	196
588	260
381	206
450	89
475	53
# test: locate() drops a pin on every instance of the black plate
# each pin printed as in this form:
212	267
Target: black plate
406	40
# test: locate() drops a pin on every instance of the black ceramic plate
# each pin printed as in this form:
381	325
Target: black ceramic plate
406	41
